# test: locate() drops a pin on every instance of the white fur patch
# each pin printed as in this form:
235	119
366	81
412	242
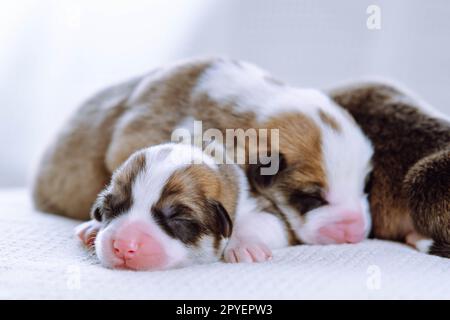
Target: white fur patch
424	245
347	156
247	88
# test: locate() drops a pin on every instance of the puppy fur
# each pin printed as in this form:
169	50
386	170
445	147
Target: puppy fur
190	206
324	156
409	189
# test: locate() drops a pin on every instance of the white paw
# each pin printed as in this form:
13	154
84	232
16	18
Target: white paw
87	232
247	252
419	242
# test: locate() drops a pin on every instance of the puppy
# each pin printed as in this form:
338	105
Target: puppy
322	156
171	205
410	183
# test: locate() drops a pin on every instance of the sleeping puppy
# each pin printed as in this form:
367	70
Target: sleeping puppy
410	184
171	205
322	157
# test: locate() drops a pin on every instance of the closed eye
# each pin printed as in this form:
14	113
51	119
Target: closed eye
178	212
305	202
113	206
178	222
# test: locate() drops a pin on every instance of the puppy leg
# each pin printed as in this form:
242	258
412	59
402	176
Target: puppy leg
253	237
427	245
427	186
87	232
419	242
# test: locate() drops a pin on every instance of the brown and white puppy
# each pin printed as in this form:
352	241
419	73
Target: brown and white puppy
171	205
323	156
410	184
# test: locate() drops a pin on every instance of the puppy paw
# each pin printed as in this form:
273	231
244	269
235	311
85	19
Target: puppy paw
87	232
419	242
247	252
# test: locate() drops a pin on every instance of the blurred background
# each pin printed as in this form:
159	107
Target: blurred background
55	53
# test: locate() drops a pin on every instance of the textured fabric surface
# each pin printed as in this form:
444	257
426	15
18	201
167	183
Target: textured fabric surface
40	258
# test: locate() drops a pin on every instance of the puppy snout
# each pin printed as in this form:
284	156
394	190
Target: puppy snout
349	229
137	249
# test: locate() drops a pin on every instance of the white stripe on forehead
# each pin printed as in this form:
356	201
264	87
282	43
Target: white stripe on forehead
161	162
346	157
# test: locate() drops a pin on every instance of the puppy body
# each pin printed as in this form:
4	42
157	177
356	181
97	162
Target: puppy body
323	163
410	183
171	205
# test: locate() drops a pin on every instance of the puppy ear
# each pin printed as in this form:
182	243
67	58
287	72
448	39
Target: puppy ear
259	174
223	220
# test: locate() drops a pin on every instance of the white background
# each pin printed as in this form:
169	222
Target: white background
54	54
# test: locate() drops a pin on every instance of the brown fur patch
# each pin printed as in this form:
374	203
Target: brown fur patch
329	121
192	181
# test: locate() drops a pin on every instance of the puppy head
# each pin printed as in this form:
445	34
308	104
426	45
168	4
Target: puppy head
162	211
324	161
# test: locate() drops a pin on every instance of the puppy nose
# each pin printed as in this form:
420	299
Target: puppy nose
125	249
136	248
348	229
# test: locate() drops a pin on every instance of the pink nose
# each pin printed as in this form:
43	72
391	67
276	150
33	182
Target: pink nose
125	249
348	230
137	249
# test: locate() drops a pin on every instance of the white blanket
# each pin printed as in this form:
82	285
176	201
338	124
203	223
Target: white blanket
40	258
